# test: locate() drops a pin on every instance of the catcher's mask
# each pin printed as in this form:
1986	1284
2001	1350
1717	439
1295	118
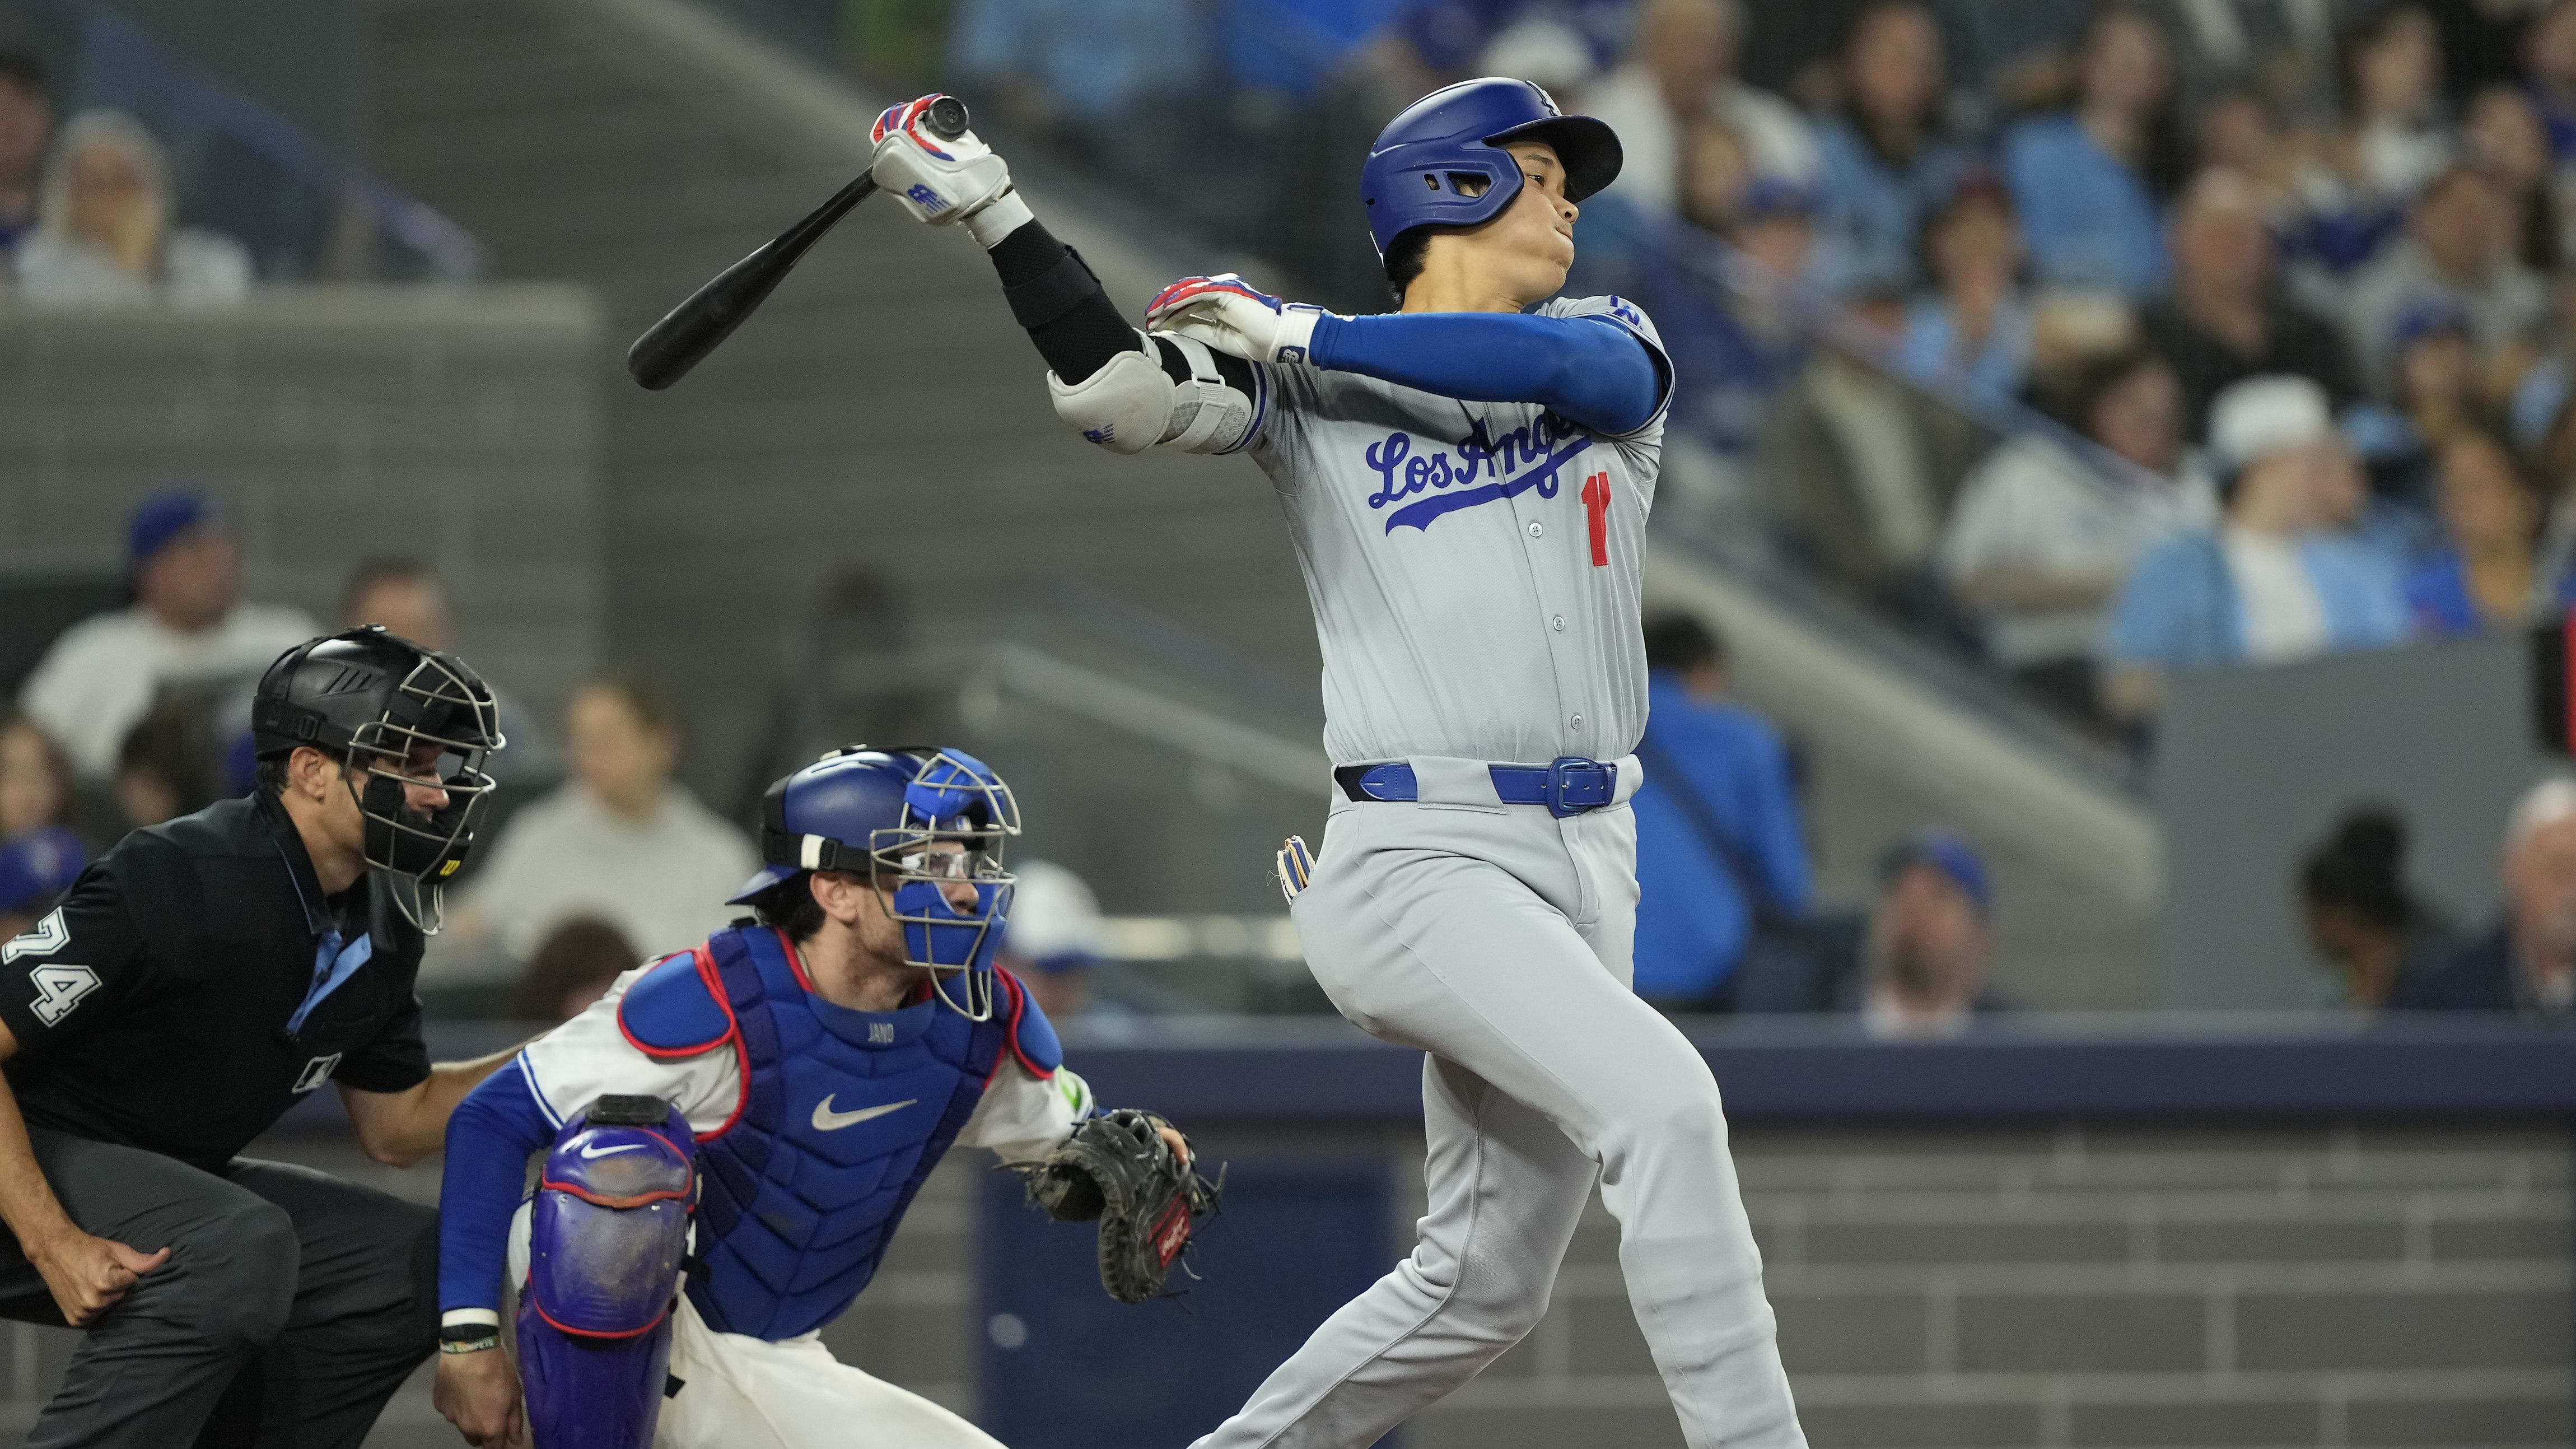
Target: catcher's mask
917	821
397	716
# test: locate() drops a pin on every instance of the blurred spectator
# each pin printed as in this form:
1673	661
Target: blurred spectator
164	769
574	965
104	233
2240	131
1842	464
39	855
26	131
2459	245
35	779
2486	575
2435	390
2502	135
2087	182
2549	73
2391	81
1976	329
1846	463
2361	915
1885	164
2271	583
1930	942
2527	962
2068	330
1053	940
621	840
2226	320
1680	72
2042	540
187	624
1722	857
404	594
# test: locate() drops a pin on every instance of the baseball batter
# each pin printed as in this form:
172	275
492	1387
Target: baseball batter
1466	482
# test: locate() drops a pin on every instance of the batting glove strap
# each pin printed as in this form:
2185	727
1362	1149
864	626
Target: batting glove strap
1229	314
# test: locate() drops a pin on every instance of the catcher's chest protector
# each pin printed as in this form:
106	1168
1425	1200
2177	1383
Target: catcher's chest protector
843	1114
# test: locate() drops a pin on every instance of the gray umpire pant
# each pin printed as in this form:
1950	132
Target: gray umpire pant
292	1306
1496	938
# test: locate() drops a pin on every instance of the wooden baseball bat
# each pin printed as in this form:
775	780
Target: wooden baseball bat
688	332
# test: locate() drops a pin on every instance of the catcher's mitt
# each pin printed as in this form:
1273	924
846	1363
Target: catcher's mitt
1119	1170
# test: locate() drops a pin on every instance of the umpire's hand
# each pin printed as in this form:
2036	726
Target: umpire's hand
88	1275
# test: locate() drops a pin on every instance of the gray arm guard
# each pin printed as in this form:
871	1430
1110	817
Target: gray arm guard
1132	404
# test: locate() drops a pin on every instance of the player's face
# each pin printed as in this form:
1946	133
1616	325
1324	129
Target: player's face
1531	244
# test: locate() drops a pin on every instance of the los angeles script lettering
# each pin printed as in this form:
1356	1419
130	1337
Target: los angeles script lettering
1541	445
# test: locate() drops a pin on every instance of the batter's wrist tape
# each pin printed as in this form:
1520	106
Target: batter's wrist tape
1063	286
992	223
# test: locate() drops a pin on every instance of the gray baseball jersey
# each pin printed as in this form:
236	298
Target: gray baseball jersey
1474	566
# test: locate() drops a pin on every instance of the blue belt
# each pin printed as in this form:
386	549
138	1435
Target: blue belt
1570	786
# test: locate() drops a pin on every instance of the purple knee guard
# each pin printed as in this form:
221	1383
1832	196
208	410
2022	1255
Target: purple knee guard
607	1232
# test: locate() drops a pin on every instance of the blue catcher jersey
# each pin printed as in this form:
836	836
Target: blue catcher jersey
816	1124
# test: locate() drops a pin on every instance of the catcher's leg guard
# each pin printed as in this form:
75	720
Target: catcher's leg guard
607	1232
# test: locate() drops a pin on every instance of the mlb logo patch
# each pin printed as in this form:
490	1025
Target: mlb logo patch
316	1072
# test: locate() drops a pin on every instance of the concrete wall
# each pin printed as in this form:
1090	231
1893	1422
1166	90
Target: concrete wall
2072	1286
460	425
2255	766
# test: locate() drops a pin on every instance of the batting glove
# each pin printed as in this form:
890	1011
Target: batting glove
941	180
1227	314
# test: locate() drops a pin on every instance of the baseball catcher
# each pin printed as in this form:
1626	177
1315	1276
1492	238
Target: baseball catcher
733	1134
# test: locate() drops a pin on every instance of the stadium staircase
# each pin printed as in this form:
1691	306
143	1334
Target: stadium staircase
882	412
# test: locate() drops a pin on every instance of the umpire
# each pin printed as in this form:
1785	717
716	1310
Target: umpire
196	981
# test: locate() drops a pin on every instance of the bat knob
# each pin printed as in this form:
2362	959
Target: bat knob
946	118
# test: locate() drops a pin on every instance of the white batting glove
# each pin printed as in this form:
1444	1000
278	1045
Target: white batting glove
1224	312
939	179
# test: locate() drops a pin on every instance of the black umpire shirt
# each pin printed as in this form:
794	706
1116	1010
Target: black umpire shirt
152	1008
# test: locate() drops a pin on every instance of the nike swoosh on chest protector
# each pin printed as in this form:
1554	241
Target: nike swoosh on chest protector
827	1120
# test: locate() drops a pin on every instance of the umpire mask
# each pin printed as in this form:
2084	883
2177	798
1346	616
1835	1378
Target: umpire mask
400	716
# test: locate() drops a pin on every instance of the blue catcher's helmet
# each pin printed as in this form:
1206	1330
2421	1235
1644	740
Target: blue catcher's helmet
1440	162
878	813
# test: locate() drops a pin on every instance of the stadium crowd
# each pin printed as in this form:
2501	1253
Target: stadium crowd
87	208
2287	376
1958	291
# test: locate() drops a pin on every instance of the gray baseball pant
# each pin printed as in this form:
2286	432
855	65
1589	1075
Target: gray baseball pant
292	1306
1496	938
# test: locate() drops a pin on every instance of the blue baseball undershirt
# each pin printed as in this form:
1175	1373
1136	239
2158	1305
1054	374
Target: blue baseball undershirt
1588	369
489	1138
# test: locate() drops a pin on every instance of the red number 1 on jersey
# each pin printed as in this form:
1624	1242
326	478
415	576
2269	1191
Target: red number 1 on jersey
1596	514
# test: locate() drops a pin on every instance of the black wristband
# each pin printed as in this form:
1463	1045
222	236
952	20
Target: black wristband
1067	283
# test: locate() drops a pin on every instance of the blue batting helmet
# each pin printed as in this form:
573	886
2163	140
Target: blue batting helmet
881	813
1441	163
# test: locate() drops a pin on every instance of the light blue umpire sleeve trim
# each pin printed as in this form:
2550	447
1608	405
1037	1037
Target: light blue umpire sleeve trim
333	964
